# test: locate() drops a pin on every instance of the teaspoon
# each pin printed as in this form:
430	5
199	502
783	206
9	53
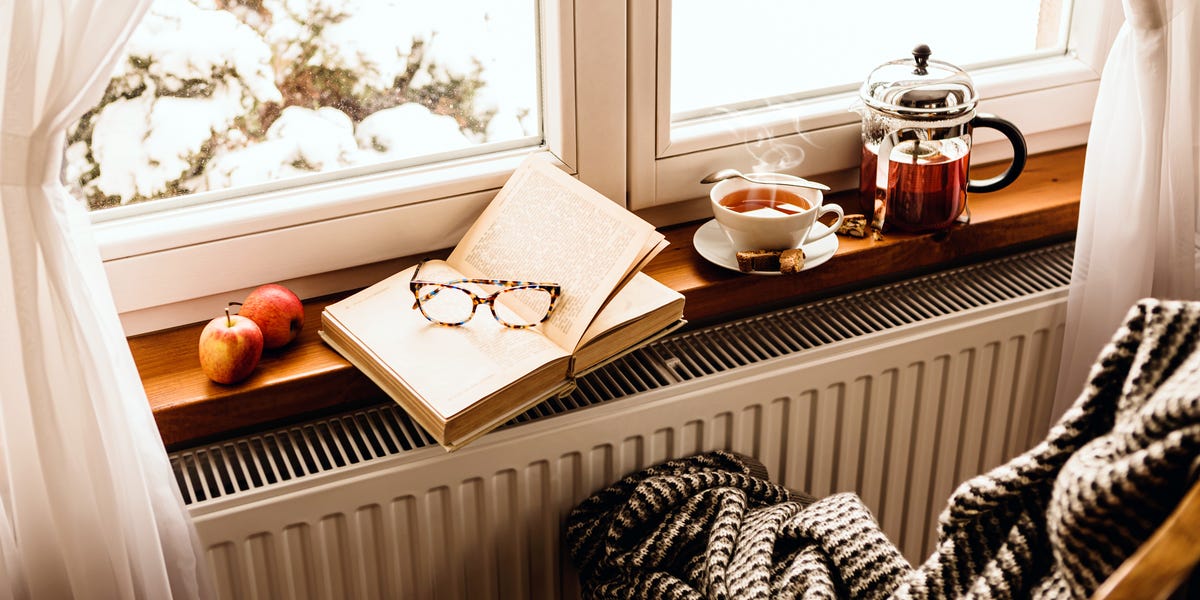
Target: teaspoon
728	173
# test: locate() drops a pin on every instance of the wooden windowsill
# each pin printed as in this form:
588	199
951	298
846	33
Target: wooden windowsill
308	377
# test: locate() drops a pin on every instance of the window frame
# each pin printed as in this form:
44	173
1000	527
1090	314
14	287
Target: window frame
1050	99
169	268
605	109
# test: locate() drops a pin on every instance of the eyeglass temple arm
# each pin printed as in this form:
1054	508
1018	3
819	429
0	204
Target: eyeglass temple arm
506	283
419	298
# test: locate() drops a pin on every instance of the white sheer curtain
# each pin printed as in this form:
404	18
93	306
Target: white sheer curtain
1138	233
88	504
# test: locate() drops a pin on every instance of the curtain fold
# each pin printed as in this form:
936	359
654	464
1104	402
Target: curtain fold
1138	234
88	503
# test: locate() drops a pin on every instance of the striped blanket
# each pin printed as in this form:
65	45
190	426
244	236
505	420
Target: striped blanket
1053	522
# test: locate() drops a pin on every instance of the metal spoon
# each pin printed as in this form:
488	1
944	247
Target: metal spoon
716	176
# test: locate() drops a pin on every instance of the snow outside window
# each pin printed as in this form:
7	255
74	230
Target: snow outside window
224	97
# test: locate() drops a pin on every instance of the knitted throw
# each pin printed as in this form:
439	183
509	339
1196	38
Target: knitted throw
1053	522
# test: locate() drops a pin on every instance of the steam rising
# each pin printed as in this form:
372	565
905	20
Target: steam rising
768	155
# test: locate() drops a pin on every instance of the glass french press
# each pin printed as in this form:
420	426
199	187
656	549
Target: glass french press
917	118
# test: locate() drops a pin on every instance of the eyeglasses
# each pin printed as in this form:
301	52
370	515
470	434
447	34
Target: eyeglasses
525	303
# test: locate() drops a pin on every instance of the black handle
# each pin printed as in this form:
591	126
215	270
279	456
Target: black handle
1015	138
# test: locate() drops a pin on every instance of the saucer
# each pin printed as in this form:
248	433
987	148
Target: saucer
711	243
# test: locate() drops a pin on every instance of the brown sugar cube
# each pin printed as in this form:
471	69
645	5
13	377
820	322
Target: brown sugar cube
791	261
853	226
758	260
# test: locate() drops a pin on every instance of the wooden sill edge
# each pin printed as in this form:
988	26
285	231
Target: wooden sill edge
308	378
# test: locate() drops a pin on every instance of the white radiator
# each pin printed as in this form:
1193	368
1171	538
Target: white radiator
897	393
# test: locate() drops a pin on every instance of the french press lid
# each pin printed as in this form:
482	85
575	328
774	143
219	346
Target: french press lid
919	88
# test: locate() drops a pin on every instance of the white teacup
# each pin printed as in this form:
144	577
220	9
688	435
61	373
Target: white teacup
769	217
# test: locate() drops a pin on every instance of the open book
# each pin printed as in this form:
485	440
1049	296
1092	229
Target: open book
459	382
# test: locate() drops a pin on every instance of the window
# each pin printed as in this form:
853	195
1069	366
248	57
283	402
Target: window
290	188
620	99
695	108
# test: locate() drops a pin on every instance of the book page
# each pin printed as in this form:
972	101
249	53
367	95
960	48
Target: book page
451	367
643	294
546	226
640	311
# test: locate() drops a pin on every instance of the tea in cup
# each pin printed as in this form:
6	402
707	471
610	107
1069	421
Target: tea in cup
758	216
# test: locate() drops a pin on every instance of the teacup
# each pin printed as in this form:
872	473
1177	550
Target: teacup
758	216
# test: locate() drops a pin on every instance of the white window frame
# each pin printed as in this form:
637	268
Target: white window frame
180	266
1049	99
606	119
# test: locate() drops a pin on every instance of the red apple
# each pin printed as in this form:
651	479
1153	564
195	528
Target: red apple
277	311
230	347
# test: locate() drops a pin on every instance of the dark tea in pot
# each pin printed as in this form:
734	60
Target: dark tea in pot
918	114
927	184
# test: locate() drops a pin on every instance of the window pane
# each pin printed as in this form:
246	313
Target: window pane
727	56
222	94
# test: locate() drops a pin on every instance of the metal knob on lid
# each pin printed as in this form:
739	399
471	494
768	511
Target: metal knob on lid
921	57
919	88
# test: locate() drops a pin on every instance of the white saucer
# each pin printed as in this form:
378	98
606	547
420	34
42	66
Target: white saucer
711	243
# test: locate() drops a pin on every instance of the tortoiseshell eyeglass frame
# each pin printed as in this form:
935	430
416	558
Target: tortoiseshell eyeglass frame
415	286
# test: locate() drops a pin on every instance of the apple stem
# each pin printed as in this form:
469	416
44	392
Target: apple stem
229	319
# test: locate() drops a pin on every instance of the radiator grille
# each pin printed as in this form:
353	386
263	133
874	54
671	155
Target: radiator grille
255	461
